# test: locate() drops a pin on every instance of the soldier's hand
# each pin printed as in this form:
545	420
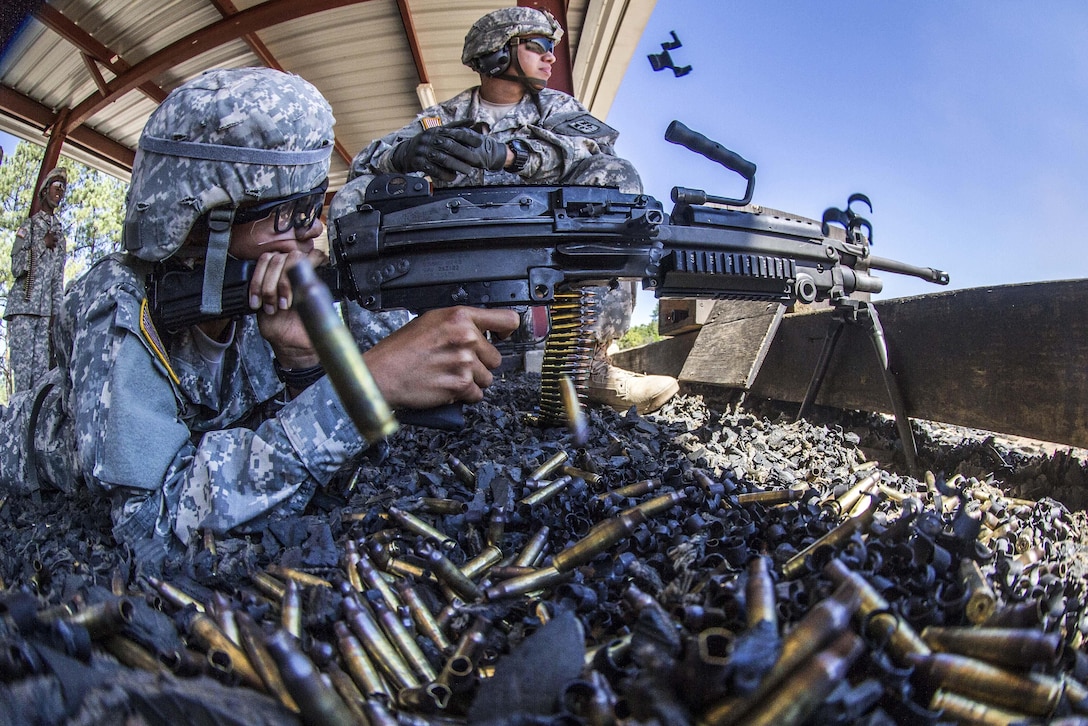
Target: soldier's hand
432	152
480	150
441	357
49	240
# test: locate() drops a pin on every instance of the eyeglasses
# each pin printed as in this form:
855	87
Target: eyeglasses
297	211
540	46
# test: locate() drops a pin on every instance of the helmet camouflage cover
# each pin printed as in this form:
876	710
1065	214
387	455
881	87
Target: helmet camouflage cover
495	30
223	139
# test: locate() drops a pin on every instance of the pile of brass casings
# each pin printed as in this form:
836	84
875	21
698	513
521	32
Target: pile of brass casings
704	596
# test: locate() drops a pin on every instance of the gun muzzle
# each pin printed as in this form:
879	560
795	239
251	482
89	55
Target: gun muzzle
339	355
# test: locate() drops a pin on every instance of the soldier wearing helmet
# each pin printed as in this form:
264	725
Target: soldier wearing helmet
512	129
231	422
37	267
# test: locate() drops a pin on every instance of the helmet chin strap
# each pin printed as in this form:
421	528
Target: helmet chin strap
533	85
215	261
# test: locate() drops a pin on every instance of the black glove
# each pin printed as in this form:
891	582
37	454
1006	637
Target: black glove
481	151
432	152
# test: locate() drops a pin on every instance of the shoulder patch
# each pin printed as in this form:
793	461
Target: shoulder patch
579	124
147	329
430	122
21	234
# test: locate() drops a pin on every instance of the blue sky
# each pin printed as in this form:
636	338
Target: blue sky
963	121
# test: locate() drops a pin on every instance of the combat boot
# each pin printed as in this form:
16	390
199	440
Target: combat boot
622	389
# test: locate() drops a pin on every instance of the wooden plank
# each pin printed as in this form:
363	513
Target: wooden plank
732	343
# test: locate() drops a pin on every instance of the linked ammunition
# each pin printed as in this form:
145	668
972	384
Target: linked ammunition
340	356
1034	694
422	616
318	703
252	641
1020	648
450	575
601	537
414	524
857	522
358	663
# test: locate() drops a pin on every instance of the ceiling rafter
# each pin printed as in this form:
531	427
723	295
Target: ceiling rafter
229	29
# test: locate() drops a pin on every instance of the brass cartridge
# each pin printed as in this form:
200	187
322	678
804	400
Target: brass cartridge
365	626
601	537
1034	694
1019	648
846	501
132	654
482	562
404	642
223	612
317	702
589	477
964	710
207	635
659	504
771	497
422	616
461	470
304	579
981	601
433	505
291	609
175	595
348	692
496	526
858	521
538	580
631	490
546	493
533	548
253	643
349	563
760	594
450	575
103	618
361	669
542	471
269	586
373	577
572	408
414	524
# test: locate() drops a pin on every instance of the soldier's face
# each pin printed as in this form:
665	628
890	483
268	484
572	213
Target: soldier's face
54	193
536	61
249	240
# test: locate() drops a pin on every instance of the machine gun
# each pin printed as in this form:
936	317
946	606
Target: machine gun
411	246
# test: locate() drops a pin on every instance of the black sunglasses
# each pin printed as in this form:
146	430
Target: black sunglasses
297	211
540	46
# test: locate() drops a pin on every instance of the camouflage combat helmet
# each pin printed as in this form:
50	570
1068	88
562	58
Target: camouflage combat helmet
223	139
58	173
494	31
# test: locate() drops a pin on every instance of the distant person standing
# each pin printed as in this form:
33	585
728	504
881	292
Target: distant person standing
37	269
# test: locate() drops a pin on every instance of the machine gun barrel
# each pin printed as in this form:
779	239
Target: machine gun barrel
928	274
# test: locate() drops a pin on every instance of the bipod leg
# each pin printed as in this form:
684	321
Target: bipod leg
834	331
899	407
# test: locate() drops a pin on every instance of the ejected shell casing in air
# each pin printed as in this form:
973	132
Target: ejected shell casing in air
576	415
339	355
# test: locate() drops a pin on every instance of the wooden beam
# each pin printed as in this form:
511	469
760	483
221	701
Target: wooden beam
248	21
413	40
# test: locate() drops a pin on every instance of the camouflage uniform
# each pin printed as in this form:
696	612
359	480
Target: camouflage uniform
35	296
131	414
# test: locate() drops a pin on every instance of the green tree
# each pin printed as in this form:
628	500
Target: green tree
641	334
91	213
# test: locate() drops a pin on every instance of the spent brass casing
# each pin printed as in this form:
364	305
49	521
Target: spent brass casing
846	501
1034	694
373	577
339	354
820	625
132	654
546	493
964	710
209	637
496	526
349	564
589	477
175	595
462	471
422	615
361	669
406	568
252	641
548	467
291	609
505	572
404	642
572	407
481	563
533	548
806	688
269	586
451	575
856	522
103	618
1020	648
760	594
631	490
378	713
414	524
434	505
317	702
601	537
544	577
459	670
363	623
348	691
304	579
902	639
657	505
223	612
771	497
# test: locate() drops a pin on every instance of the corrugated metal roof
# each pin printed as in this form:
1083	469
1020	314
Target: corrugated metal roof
359	56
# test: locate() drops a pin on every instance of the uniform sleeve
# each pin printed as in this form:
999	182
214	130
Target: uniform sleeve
565	136
374	159
133	443
58	273
20	248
